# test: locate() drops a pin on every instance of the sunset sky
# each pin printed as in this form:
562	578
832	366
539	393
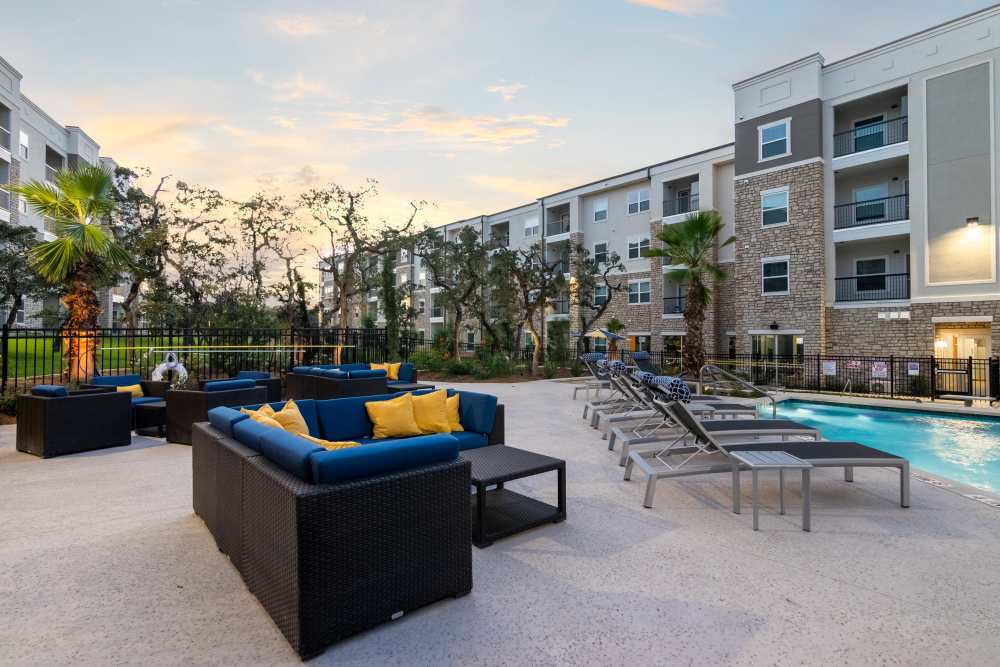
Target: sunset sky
473	106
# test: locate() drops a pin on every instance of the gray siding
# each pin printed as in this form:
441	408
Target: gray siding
807	137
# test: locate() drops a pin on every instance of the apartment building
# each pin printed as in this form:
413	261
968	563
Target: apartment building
861	193
34	146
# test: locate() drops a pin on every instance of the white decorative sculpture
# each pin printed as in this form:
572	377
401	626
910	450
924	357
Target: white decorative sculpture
171	363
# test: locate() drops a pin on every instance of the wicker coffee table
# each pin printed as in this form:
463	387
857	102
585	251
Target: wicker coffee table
499	512
153	415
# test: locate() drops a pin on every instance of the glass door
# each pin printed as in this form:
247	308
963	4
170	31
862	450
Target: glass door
869	133
869	204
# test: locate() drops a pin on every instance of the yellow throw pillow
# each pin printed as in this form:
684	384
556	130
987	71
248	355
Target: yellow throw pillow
291	419
266	409
430	413
393	371
261	418
451	408
134	389
393	418
331	445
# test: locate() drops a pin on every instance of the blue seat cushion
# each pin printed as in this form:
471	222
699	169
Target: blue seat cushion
380	458
49	390
249	432
334	373
228	385
346	418
353	367
476	411
365	373
471	439
288	451
116	380
253	375
407	372
225	418
139	400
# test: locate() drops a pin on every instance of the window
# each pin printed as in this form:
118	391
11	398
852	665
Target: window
404	256
869	133
638	292
870	273
641	343
673	345
601	209
638	200
774	207
530	227
601	252
601	345
600	295
22	205
470	338
774	140
732	347
23	148
638	248
774	275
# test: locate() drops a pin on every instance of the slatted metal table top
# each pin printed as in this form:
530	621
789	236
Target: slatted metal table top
767	460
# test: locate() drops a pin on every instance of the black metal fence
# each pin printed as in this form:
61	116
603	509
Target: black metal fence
888	376
871	212
867	136
873	287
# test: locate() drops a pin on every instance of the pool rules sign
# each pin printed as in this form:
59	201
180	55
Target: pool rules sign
880	370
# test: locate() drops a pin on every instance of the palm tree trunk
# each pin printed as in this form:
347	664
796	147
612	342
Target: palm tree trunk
694	343
80	341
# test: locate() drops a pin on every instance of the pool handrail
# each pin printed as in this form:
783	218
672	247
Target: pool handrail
732	377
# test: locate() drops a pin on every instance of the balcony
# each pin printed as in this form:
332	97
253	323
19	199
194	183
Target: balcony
558	226
4	206
437	312
673	305
871	136
4	144
499	241
51	173
561	266
875	287
680	205
871	212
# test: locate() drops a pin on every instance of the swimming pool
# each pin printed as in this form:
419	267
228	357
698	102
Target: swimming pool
963	448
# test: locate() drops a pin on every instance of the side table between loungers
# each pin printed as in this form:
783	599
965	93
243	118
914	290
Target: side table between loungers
501	512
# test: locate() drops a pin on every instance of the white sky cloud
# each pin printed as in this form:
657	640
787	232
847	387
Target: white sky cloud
507	91
685	7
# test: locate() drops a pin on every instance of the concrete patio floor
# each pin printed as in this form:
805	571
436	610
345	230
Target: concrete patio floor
103	562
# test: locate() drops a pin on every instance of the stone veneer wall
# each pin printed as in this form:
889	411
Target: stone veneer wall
860	331
803	240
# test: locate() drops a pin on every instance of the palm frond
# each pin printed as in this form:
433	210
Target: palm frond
55	260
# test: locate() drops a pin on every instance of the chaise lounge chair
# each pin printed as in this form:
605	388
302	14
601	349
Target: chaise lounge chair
704	454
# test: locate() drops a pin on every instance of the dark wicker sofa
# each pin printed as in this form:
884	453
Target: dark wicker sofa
186	407
53	421
324	382
261	378
336	542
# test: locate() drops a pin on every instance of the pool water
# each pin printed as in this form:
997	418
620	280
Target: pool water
962	448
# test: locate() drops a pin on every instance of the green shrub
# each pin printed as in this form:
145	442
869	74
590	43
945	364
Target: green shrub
576	369
428	360
8	404
459	367
549	368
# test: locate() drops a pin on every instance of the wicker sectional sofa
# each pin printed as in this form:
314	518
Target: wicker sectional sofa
261	378
329	381
336	542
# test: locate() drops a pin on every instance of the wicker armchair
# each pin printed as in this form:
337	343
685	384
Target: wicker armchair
80	421
185	407
150	388
272	384
329	561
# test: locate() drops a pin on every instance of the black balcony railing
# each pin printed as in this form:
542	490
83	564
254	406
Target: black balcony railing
437	311
871	212
867	137
673	305
560	226
679	205
876	287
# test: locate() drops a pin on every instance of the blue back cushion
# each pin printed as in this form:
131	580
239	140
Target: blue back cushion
139	400
253	375
407	372
228	385
381	458
225	418
302	370
346	418
367	374
334	373
249	433
353	367
476	411
116	380
324	367
49	390
288	451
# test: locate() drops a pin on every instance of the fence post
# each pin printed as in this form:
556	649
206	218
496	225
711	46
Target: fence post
933	378
892	376
968	375
5	338
819	373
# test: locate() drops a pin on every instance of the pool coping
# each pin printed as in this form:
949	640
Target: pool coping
974	493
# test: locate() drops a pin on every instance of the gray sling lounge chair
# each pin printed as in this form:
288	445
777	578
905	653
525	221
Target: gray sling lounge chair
705	454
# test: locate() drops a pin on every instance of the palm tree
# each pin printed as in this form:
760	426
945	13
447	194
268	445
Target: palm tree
692	244
83	255
615	326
